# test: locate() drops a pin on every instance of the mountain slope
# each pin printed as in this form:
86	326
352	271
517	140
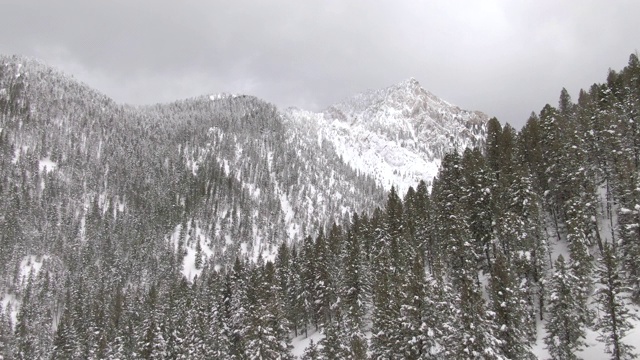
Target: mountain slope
398	134
221	173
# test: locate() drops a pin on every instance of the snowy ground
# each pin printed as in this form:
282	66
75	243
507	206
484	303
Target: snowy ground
595	349
301	342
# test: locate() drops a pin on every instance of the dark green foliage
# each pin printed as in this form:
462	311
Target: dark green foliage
565	324
311	352
613	321
512	318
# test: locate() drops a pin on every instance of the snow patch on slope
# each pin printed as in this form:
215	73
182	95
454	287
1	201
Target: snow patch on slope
45	165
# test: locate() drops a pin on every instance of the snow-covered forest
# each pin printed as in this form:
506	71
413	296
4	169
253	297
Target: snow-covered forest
217	228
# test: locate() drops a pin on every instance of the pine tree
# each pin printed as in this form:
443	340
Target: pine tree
198	255
475	337
385	305
494	135
63	344
305	298
238	310
217	342
512	319
325	292
332	345
519	226
565	325
295	313
311	352
422	212
6	335
24	333
267	336
552	143
611	300
388	264
629	232
415	314
353	296
477	201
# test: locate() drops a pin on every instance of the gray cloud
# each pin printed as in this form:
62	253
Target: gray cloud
506	58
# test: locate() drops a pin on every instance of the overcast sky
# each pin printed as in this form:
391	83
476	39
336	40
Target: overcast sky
506	58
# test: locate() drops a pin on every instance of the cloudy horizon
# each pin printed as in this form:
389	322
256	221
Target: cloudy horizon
501	57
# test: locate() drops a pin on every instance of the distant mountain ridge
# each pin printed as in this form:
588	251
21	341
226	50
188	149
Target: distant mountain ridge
398	134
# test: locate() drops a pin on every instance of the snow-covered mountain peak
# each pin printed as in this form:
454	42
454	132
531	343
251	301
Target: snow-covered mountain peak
397	134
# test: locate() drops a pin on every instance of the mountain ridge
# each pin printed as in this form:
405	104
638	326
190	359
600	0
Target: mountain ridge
397	134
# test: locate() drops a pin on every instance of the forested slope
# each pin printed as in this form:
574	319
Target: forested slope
463	271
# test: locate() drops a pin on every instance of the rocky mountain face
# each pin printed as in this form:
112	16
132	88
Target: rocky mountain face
397	135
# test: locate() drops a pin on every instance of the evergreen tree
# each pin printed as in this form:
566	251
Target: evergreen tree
353	294
295	287
267	336
305	297
416	313
311	352
493	145
565	325
238	312
25	335
332	345
63	344
388	264
611	300
475	337
198	255
385	303
325	292
512	319
218	344
477	203
6	335
629	232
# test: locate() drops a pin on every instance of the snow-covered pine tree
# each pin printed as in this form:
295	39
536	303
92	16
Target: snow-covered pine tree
385	307
311	352
295	287
333	345
325	293
64	338
565	325
629	232
416	314
6	335
612	301
353	286
305	297
267	335
474	338
512	317
238	309
217	343
531	258
387	265
478	202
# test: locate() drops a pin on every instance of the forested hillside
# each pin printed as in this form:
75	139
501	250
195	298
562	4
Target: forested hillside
99	198
202	230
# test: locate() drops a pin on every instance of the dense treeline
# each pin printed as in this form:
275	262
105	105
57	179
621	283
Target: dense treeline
463	270
93	194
